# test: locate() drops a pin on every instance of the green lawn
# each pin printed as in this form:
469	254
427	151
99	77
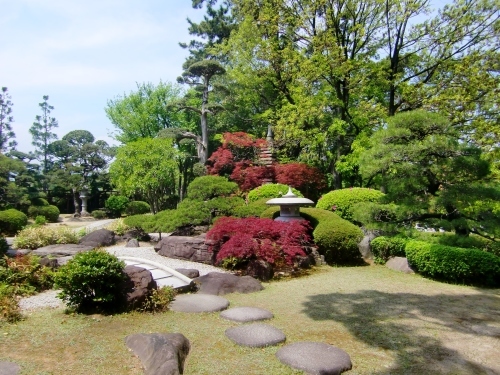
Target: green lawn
389	323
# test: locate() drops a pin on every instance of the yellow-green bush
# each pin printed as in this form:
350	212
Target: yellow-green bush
270	191
12	221
118	226
39	236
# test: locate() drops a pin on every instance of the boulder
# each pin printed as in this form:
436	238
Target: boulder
260	269
14	253
186	248
138	234
98	238
49	262
138	285
9	368
132	243
399	264
364	245
192	273
62	250
160	353
217	283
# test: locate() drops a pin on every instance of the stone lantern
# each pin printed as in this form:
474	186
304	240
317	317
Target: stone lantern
84	195
290	206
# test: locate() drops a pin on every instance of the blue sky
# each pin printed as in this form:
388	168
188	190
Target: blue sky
83	53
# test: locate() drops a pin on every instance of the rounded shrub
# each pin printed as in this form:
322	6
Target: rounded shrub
92	281
137	208
38	201
98	214
208	187
12	221
51	213
341	201
40	220
252	209
270	191
385	247
116	204
454	264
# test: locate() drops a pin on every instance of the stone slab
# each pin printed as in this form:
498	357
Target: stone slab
198	303
315	358
246	314
256	335
399	264
61	250
9	368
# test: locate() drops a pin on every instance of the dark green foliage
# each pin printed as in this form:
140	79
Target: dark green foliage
38	201
341	201
270	191
255	208
51	213
208	187
337	239
272	213
116	204
385	247
137	208
12	221
453	264
98	214
92	281
3	246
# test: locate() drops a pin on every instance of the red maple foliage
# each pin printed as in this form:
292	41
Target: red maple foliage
262	239
221	162
308	180
249	176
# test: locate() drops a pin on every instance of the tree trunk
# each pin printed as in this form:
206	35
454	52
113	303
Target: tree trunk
76	202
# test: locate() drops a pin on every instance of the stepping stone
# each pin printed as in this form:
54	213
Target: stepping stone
315	358
246	314
198	303
255	335
9	368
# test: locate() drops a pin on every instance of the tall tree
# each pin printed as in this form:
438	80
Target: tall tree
41	131
6	119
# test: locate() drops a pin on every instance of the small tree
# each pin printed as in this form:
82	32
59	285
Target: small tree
6	120
41	130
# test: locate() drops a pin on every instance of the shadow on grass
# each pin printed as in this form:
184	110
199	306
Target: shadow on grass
413	326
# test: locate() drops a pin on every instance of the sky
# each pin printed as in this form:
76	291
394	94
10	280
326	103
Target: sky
84	53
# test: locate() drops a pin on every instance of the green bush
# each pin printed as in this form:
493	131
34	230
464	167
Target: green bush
341	201
453	264
3	246
208	187
40	220
118	226
51	213
35	237
12	221
116	204
384	248
271	213
137	208
159	299
98	214
92	281
252	209
38	201
270	191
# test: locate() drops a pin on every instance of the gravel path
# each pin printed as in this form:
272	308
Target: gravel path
49	299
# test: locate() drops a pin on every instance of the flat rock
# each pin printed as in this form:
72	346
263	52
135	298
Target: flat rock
160	353
15	253
193	249
246	314
192	273
61	250
399	264
9	368
98	238
218	283
198	303
315	358
256	335
132	243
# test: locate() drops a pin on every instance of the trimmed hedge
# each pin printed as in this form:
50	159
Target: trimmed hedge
252	209
270	191
208	187
384	248
51	213
137	208
341	201
12	221
454	264
336	238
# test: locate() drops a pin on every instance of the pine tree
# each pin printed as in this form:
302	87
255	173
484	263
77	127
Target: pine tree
42	133
6	120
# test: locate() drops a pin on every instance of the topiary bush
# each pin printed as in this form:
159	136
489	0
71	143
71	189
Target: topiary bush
38	201
92	281
270	191
51	213
34	237
12	221
99	214
208	187
384	248
453	264
252	209
40	220
116	205
341	201
137	208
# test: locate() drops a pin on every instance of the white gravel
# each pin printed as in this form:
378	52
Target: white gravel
49	299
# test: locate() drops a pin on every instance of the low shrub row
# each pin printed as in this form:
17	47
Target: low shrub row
453	264
34	237
51	213
384	248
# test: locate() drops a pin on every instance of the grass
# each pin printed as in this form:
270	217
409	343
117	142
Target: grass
388	322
